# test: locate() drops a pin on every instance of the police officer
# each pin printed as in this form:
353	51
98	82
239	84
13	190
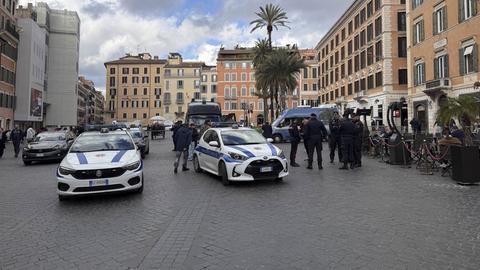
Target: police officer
315	131
347	132
17	137
334	139
357	141
295	138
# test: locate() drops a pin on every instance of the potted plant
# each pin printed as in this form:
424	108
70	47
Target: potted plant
466	158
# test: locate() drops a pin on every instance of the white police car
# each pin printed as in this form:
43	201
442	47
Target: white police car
100	162
239	154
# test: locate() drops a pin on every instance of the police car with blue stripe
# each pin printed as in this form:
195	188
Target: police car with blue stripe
239	154
100	162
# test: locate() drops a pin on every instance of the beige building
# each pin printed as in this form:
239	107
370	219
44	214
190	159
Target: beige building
363	58
442	55
208	84
181	83
134	88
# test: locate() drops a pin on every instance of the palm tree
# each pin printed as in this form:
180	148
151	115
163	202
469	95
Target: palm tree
260	53
280	70
270	16
465	109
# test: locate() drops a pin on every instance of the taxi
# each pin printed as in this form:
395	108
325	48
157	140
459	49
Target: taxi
100	162
239	154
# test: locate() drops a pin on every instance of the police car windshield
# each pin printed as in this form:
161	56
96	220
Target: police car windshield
107	142
242	137
49	138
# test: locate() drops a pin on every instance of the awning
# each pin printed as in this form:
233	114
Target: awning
468	50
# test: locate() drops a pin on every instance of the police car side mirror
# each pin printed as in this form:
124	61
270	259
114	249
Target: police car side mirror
213	144
270	140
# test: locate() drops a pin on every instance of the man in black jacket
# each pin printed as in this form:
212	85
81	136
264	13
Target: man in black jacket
294	131
347	132
182	140
17	137
358	141
267	130
334	140
315	131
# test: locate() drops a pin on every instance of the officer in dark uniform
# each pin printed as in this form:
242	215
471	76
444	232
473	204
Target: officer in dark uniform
295	138
334	140
347	132
315	131
357	141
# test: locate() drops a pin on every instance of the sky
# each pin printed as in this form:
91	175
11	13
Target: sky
195	28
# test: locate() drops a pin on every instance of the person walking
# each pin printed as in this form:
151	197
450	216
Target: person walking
207	125
195	138
294	131
182	140
267	130
30	134
175	127
334	139
358	141
17	137
315	131
347	132
3	140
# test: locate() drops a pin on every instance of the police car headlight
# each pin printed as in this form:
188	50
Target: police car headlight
65	170
237	156
132	166
281	155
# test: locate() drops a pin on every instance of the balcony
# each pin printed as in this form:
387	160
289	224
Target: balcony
361	96
167	102
179	101
10	30
437	87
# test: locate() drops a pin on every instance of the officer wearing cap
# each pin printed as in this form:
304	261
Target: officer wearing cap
315	131
347	132
334	138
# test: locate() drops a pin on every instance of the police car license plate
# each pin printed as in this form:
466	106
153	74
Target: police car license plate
266	169
94	183
40	155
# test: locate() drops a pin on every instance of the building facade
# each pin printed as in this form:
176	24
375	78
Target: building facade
32	49
208	84
63	41
308	88
363	58
9	38
90	103
442	55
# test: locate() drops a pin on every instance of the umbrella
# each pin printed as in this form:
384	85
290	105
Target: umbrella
158	118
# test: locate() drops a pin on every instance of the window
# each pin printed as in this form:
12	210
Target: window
305	73
356	87
112	71
314	87
357	63
112	81
370	82
227	77
350	27
362	38
342	71
125	70
349	48
213	89
244	77
349	68
145	80
418	32
378	26
314	73
233	106
305	87
135	71
244	90
370	55
226	92
402	21
362	60
419	74
252	76
135	80
233	76
180	72
158	70
439	20
362	16
468	59
357	21
349	88
196	96
179	96
467	9
124	115
234	92
168	72
145	91
402	47
214	78
167	109
379	79
343	34
252	91
378	51
369	32
196	84
416	3
144	116
440	67
179	84
157	79
363	85
125	91
145	70
402	76
378	4
342	53
342	91
356	43
369	9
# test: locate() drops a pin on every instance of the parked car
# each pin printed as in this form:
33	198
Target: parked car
141	139
239	154
47	146
100	162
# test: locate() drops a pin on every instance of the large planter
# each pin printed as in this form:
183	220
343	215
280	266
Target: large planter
465	164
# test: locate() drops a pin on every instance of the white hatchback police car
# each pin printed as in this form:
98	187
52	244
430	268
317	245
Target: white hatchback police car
239	154
100	162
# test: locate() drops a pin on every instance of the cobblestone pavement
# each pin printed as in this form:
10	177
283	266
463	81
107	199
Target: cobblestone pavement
376	217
